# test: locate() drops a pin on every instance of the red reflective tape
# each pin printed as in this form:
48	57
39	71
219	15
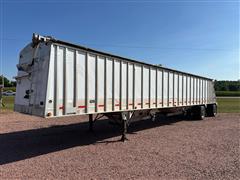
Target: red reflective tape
130	104
139	103
101	105
81	106
61	107
117	104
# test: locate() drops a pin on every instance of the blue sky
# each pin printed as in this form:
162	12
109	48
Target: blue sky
200	37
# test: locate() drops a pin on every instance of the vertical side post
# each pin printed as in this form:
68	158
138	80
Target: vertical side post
186	90
105	84
156	98
190	90
200	90
168	88
127	100
162	88
205	91
86	83
182	89
96	83
55	82
133	86
113	85
64	82
193	95
196	95
75	86
142	86
202	93
208	92
149	101
173	101
178	90
120	86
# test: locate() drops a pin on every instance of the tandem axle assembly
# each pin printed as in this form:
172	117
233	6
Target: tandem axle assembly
124	118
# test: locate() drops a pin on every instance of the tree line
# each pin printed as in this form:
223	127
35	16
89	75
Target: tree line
7	82
227	85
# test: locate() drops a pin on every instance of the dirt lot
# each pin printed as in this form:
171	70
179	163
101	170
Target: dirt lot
171	148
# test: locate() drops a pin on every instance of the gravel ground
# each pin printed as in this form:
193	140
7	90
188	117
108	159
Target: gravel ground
169	148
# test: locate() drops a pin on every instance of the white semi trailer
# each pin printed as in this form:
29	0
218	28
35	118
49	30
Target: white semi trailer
57	78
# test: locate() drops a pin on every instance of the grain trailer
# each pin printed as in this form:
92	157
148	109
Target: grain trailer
57	78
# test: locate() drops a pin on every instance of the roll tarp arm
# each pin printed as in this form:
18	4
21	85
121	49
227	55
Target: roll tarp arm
36	38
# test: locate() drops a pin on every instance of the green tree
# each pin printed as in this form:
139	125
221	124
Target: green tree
227	85
7	82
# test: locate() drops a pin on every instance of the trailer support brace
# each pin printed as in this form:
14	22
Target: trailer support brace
90	122
125	119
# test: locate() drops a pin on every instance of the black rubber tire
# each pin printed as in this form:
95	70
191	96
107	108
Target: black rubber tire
211	110
188	114
199	112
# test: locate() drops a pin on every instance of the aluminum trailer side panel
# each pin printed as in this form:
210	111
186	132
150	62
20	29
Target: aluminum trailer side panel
78	81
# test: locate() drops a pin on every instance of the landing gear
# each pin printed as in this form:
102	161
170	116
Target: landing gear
126	116
124	130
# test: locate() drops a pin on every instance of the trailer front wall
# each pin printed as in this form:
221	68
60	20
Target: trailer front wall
82	82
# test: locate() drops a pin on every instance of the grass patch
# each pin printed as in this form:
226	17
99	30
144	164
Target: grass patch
228	105
228	93
8	101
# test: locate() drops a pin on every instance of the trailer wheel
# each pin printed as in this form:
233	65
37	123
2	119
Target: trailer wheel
211	110
199	112
188	113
